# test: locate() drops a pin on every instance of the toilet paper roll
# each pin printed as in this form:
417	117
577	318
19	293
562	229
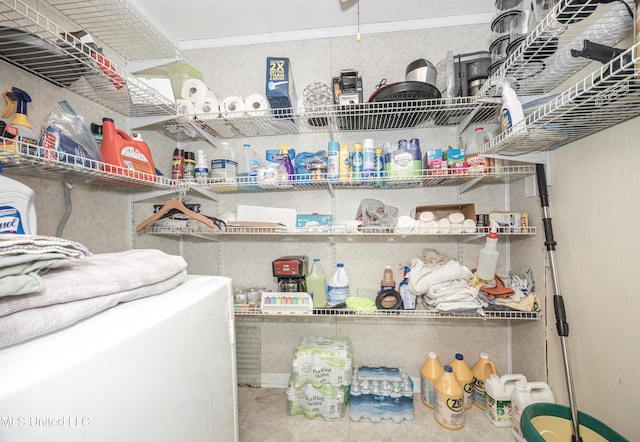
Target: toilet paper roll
185	107
444	225
469	226
456	218
232	107
405	224
207	106
194	90
256	105
427	216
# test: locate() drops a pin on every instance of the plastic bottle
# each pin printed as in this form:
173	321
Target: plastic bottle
527	393
357	164
511	113
333	160
497	396
344	164
317	284
223	164
416	155
338	286
202	168
96	132
378	167
408	298
465	378
449	400
482	369
189	166
248	164
387	282
177	164
120	149
17	100
430	372
488	259
17	210
368	159
286	171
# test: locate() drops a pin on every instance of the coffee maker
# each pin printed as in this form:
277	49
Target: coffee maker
291	272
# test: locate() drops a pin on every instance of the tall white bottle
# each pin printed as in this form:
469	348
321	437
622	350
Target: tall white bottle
224	166
248	164
317	284
511	113
338	286
17	210
488	259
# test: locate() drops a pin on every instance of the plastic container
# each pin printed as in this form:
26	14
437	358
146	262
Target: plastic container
357	163
524	394
338	286
118	148
430	372
368	159
511	113
465	378
317	284
378	393
285	170
449	400
408	298
387	282
482	369
344	163
202	166
497	396
224	166
177	164
17	210
488	258
248	164
333	160
327	401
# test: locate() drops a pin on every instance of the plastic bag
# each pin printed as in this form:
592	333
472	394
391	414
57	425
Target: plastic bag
445	81
64	132
374	213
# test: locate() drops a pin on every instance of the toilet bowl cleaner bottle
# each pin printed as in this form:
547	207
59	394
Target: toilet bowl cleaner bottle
527	393
465	378
17	210
449	398
497	394
430	372
387	282
482	369
338	286
317	284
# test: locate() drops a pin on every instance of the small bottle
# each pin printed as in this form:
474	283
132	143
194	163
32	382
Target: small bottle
177	164
344	163
357	163
317	284
333	160
387	282
488	259
408	298
338	286
449	400
202	169
482	369
96	132
368	159
189	166
378	166
465	378
430	371
414	148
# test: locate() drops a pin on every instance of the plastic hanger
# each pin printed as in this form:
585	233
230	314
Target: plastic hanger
178	205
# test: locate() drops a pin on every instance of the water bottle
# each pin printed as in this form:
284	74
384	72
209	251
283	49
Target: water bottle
317	284
338	286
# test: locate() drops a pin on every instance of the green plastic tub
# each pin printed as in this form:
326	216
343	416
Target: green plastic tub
543	422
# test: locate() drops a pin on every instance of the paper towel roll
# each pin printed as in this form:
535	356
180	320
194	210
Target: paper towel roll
456	218
431	226
469	226
455	228
256	105
232	107
444	226
427	216
207	106
185	107
194	90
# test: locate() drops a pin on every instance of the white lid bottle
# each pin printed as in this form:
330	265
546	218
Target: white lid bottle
338	286
317	284
430	372
17	210
223	163
497	394
248	163
511	113
488	259
202	166
527	393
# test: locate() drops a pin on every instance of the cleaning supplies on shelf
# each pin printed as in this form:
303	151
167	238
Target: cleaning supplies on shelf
317	284
224	166
408	298
17	100
511	113
248	164
482	369
285	170
465	378
132	156
430	371
387	282
17	210
202	167
338	286
177	164
488	259
449	400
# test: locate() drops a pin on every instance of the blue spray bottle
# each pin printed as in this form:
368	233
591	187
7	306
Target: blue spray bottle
408	298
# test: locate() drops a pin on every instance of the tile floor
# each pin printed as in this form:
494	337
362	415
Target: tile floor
263	417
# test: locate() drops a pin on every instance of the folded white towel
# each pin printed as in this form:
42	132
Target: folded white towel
444	225
422	277
455	228
456	290
427	216
456	218
468	226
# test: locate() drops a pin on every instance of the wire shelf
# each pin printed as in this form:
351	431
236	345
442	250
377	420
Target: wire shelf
34	43
603	99
405	314
31	160
544	60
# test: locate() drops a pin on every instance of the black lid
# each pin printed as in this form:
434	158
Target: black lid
188	155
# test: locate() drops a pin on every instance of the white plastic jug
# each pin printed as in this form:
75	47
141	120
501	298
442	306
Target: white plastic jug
338	286
497	397
17	210
527	393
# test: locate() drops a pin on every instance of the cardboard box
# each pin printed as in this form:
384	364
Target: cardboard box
314	222
510	222
279	88
444	210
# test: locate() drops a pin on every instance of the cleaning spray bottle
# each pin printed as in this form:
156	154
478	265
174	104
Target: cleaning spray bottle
285	168
17	100
511	113
488	259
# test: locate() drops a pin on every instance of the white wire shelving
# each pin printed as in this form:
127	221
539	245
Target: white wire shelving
404	314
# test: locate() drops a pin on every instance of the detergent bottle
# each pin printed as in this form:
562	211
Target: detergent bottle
17	210
17	100
498	391
465	378
133	156
482	369
430	372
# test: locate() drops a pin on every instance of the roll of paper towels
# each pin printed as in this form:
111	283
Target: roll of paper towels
207	106
256	105
194	90
185	107
232	107
456	218
469	226
444	225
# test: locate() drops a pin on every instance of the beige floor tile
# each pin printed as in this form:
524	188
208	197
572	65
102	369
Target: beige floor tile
320	430
246	398
384	431
266	429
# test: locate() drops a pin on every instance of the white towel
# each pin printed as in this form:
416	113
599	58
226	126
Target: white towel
456	218
422	277
427	216
444	225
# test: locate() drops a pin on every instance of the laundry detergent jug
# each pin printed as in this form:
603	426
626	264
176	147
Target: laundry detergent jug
132	157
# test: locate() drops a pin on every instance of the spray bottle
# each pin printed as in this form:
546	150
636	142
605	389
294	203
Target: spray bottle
285	168
488	259
17	100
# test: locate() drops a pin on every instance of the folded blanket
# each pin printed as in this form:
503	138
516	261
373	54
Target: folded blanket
36	244
456	290
22	279
422	277
98	275
27	324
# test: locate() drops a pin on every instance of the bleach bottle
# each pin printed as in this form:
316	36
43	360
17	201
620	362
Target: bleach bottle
338	286
498	391
527	393
248	164
17	211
